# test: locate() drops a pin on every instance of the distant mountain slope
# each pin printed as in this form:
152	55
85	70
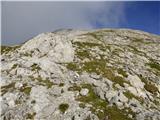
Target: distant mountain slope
104	74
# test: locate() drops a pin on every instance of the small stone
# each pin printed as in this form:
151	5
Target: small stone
11	103
84	92
135	81
95	76
159	88
123	98
18	85
130	116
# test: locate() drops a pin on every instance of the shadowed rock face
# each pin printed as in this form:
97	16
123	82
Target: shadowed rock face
105	74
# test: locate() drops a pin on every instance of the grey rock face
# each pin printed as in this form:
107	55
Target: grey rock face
103	74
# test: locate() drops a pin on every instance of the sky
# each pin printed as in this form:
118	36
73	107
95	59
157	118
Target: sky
22	21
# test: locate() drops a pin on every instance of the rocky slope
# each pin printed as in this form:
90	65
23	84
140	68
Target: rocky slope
106	74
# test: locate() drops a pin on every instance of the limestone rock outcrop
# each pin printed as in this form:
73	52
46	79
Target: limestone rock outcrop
103	74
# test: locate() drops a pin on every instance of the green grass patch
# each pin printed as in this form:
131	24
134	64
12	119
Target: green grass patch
100	68
86	44
18	102
116	114
100	107
33	102
155	65
97	66
129	95
82	105
61	84
14	66
27	54
6	49
122	72
83	48
156	102
6	88
30	116
135	50
94	100
83	54
26	89
94	35
91	95
72	66
150	87
140	40
63	107
35	67
45	82
119	80
74	88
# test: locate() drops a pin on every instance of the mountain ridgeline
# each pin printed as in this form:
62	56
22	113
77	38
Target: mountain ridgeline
103	74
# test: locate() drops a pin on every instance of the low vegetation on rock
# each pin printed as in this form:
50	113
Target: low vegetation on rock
63	107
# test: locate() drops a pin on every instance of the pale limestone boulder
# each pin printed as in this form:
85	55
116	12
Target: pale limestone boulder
4	106
10	98
110	94
84	92
18	85
39	94
123	98
135	81
57	47
158	88
133	90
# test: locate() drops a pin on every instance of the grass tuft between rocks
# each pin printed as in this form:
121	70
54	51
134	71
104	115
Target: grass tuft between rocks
35	67
44	82
63	107
26	90
14	66
74	88
101	107
7	49
100	68
122	72
30	116
116	114
6	88
129	95
153	64
150	87
97	103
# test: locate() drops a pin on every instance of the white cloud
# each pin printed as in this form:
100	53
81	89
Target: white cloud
22	20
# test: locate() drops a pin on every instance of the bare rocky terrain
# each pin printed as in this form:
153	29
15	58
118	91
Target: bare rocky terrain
103	74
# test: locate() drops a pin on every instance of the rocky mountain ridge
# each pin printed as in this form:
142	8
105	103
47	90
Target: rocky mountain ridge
104	74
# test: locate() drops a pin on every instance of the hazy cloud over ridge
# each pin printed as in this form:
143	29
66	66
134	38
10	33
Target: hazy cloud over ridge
23	20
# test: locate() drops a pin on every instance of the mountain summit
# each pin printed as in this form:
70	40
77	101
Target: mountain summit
104	74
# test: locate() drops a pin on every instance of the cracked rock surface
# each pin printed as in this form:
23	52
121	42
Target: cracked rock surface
103	74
